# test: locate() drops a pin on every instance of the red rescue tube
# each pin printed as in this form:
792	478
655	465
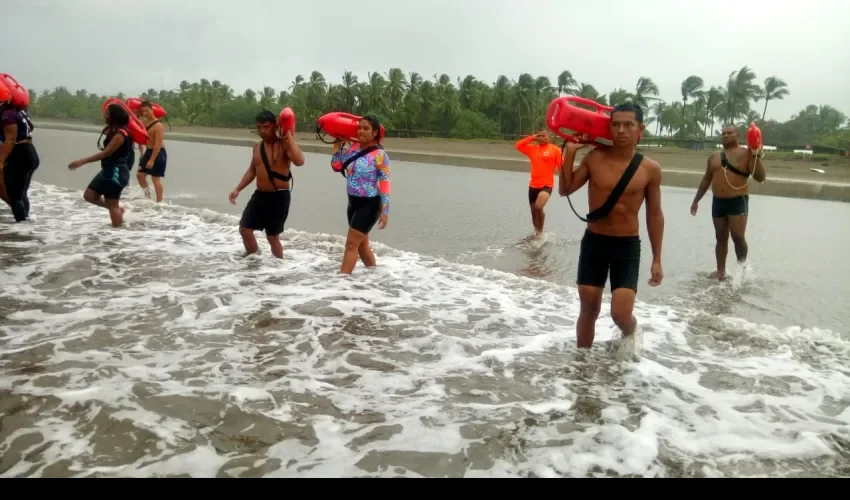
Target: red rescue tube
577	124
286	120
754	137
5	95
20	96
342	126
138	132
135	104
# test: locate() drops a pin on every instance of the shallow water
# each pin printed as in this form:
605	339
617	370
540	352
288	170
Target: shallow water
157	350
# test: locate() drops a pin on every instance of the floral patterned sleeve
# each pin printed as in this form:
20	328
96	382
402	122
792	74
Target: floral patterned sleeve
382	165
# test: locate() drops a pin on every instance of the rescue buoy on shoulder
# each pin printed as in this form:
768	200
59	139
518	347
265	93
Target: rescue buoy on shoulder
138	132
5	95
135	104
577	124
341	126
286	120
20	96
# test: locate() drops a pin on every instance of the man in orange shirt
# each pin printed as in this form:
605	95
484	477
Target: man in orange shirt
545	158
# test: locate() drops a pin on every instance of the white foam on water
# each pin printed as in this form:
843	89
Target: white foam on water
155	349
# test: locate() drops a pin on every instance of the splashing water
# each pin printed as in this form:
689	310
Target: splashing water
156	350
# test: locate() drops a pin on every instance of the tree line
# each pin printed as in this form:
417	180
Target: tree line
410	105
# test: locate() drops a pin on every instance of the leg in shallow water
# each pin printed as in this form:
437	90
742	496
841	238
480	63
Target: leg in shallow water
116	213
3	195
157	187
721	246
366	254
26	197
143	183
275	244
94	198
622	309
542	199
16	183
591	304
352	246
737	228
248	240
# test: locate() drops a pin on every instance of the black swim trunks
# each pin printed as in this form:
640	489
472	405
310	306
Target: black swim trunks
110	182
533	192
158	168
599	253
267	211
363	212
724	207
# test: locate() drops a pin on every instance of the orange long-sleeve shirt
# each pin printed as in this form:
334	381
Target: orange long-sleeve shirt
545	158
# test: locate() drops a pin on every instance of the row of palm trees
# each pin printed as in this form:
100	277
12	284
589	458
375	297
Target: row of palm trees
410	104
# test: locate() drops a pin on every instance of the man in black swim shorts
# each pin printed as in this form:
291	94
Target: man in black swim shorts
728	174
620	180
271	162
155	158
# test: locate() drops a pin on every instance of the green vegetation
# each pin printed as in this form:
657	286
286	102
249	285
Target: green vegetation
411	106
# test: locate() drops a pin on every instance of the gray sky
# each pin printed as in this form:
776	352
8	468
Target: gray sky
104	48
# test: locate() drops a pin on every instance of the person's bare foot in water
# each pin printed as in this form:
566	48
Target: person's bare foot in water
720	275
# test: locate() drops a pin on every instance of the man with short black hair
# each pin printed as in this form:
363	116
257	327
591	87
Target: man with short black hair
620	179
268	208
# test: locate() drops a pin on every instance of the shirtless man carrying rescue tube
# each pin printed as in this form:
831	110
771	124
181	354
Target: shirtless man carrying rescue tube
154	158
271	162
727	173
620	179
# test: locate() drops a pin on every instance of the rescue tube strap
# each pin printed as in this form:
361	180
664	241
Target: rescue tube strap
727	165
271	173
152	124
603	211
357	156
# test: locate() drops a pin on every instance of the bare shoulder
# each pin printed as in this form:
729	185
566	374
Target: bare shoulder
651	167
593	156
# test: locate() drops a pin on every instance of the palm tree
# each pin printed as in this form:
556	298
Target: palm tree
645	90
690	87
774	89
566	83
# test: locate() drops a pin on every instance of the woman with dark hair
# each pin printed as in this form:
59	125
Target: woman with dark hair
18	157
366	167
115	164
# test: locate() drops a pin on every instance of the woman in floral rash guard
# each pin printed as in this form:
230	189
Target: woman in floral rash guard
366	167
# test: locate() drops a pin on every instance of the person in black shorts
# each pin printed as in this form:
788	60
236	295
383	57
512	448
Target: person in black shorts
268	208
366	167
154	159
728	173
115	164
611	242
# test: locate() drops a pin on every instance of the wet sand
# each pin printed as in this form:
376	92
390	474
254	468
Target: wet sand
787	176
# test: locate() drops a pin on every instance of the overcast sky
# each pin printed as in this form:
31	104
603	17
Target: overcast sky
106	46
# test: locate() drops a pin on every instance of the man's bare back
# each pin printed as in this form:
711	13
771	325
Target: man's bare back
278	162
604	172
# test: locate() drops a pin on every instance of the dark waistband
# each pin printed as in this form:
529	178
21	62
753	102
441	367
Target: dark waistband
745	196
271	193
609	238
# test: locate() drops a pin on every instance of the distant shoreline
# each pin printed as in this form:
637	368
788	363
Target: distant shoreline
786	183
